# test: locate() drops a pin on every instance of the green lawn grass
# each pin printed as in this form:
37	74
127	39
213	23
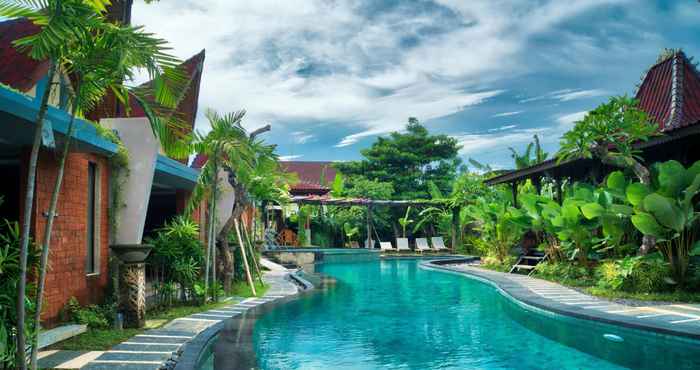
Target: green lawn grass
96	339
104	339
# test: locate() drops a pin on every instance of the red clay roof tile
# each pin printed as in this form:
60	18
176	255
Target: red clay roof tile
17	70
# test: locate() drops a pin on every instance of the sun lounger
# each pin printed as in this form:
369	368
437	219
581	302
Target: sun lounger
438	243
402	244
422	245
386	246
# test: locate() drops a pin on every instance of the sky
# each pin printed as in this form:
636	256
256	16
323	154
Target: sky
332	75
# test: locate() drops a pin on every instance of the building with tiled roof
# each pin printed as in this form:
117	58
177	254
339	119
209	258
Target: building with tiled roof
669	93
313	177
83	230
18	70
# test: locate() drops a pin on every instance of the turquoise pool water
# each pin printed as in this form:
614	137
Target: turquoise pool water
392	314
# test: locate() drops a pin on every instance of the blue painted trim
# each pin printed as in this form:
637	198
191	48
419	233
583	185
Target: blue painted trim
187	175
27	108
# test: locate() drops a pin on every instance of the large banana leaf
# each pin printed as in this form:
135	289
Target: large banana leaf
665	211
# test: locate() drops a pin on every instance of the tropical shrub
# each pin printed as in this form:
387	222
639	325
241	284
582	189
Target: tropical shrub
494	263
565	272
498	233
94	316
638	274
666	210
9	280
177	256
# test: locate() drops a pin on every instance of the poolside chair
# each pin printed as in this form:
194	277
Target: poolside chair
438	243
402	244
422	245
386	246
354	244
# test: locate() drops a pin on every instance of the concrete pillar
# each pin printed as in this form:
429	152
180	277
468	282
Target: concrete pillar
135	184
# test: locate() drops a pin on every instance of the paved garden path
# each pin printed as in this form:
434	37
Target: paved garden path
153	348
544	294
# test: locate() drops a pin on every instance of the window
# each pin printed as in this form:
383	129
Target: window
93	217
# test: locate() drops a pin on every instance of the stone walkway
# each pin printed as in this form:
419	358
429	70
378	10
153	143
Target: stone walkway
155	347
678	319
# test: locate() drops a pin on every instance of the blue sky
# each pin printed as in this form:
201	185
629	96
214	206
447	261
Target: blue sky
331	75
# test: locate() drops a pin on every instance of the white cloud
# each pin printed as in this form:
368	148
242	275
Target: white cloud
301	137
290	157
506	114
567	95
567	120
482	143
367	80
502	128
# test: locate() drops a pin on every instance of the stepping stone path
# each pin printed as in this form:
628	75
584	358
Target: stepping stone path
153	348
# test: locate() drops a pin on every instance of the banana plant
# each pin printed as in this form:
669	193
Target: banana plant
405	221
498	231
608	205
665	208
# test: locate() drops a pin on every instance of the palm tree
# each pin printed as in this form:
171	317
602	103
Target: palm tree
62	22
262	181
100	64
227	142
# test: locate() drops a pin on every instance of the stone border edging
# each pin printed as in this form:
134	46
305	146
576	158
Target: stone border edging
528	300
191	352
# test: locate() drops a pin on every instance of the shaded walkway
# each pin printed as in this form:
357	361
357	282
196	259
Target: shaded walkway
154	348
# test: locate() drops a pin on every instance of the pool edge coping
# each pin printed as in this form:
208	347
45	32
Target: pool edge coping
191	352
533	303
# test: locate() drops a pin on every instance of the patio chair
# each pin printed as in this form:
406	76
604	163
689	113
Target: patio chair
422	245
438	243
386	246
402	244
354	244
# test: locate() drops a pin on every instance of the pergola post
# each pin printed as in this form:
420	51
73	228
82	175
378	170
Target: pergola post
455	228
369	227
514	189
537	182
558	194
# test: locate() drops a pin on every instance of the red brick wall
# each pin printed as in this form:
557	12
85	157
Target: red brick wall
67	274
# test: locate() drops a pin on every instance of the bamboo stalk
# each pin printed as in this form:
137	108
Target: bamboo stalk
252	252
245	260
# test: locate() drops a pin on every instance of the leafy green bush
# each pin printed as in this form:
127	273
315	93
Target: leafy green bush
667	210
94	316
564	272
9	280
177	258
494	263
639	274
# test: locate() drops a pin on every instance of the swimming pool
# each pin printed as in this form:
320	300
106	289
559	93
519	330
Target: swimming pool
392	314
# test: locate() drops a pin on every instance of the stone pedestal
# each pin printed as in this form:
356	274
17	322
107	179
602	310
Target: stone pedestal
132	283
132	294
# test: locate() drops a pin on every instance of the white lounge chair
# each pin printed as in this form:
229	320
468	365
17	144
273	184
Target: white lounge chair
422	245
386	246
438	243
402	244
